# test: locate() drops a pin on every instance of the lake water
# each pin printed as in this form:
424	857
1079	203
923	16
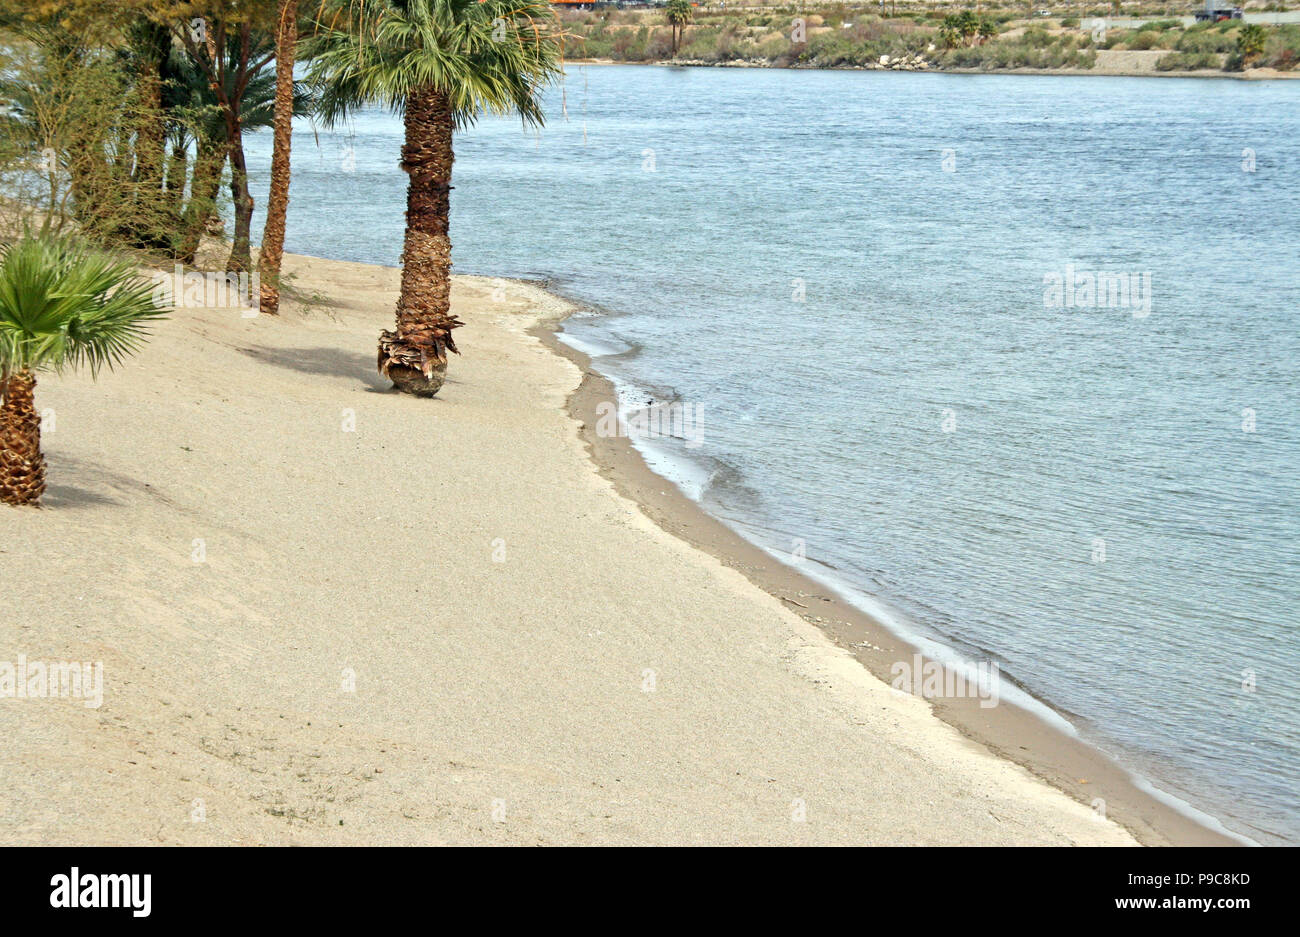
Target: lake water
850	275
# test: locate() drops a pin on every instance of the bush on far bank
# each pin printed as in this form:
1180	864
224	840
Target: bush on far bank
845	37
1188	61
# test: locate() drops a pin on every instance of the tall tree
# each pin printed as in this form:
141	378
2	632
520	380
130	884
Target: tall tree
440	63
679	14
1251	40
92	95
226	41
199	114
277	201
150	44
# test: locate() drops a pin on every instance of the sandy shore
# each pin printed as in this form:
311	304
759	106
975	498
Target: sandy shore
1062	758
534	659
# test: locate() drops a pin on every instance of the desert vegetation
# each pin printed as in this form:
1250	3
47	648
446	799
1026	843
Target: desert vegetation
932	36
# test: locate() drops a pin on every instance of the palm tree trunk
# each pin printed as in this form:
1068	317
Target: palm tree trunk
414	357
204	187
277	202
22	467
241	257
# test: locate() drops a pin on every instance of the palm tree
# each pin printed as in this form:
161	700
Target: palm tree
277	200
196	119
440	63
679	14
231	54
968	25
61	305
199	115
949	34
1250	41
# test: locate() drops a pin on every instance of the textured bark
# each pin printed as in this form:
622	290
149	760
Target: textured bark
241	257
427	157
240	254
413	367
414	357
22	467
204	187
277	202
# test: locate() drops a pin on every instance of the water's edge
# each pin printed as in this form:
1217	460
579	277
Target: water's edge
1050	752
1049	72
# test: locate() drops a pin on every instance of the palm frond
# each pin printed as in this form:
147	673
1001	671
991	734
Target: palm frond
493	56
63	304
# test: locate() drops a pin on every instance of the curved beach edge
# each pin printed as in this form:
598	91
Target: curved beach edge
1007	731
330	614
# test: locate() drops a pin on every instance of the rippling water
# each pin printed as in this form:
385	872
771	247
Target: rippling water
845	272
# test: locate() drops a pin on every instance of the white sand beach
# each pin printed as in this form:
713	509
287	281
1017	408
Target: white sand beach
534	661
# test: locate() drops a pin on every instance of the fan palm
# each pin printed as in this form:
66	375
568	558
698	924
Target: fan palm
679	14
968	25
440	63
196	105
61	305
1250	41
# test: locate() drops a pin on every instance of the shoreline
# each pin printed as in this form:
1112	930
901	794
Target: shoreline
1253	74
1066	762
302	682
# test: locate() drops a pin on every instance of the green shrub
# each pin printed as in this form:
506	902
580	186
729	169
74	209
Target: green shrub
1205	41
1187	61
1282	50
1014	54
1147	39
774	47
1115	37
1037	37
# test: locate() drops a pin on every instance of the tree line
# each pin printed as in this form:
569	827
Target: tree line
120	120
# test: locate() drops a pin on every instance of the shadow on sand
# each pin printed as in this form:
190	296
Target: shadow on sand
330	362
70	497
96	485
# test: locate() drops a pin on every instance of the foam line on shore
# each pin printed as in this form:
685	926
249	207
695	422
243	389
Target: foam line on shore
1055	751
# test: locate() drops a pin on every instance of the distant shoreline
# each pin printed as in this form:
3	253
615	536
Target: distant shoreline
1251	74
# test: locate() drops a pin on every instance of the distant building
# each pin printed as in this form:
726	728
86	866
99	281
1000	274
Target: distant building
1215	11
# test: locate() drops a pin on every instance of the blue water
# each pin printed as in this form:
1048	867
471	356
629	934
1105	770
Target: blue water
688	204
